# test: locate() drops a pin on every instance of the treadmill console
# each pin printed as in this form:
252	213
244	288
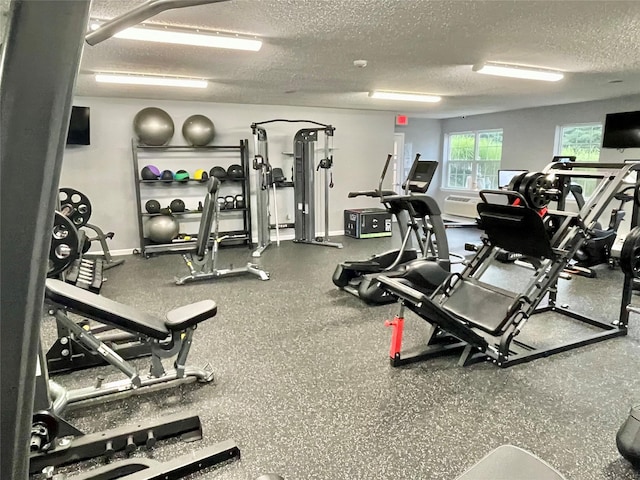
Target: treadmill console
420	176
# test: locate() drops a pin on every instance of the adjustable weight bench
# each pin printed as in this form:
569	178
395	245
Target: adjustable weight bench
202	261
168	337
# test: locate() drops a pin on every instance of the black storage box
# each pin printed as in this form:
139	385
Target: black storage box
367	223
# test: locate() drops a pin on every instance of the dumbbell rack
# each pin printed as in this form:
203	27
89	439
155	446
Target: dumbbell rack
177	157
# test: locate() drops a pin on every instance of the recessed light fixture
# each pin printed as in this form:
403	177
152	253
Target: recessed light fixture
150	80
407	97
514	71
187	37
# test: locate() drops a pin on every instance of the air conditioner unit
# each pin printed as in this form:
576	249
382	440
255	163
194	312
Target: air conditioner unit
461	206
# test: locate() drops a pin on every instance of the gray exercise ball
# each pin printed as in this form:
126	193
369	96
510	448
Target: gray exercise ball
198	130
162	228
153	126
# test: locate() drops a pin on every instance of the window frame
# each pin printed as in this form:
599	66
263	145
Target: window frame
475	161
557	147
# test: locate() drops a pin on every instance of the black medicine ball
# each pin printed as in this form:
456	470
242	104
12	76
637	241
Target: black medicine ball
149	173
167	176
177	205
181	176
218	172
152	206
235	172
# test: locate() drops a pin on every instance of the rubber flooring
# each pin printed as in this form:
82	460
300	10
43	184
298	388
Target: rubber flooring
304	386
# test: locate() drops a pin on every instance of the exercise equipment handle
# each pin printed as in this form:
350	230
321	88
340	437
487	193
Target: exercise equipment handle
371	193
504	193
139	14
384	173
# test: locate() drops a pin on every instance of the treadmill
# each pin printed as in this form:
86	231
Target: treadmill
417	214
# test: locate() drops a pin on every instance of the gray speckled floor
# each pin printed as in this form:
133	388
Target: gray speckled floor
304	386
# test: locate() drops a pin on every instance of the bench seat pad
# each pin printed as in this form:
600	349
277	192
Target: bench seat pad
105	310
184	317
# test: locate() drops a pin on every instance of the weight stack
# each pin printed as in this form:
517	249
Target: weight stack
628	437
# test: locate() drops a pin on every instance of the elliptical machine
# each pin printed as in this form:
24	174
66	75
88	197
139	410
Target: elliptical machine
417	214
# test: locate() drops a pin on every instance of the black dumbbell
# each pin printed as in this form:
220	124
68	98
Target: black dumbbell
229	202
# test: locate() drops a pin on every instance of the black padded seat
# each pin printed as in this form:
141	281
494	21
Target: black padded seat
123	316
479	306
189	315
516	229
425	308
105	310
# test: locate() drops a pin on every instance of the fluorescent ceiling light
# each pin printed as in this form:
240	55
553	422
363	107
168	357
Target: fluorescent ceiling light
183	37
150	80
407	97
518	72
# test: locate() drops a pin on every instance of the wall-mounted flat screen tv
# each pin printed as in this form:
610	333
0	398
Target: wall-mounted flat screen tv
622	130
79	131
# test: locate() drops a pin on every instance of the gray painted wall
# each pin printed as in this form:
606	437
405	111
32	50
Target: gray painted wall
425	136
363	138
529	134
104	170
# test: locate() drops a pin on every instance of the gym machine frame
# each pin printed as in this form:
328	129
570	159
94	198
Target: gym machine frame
31	141
264	181
202	262
455	328
167	338
303	181
56	442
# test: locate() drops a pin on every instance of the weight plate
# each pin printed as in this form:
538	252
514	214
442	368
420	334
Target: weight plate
534	187
514	184
77	206
64	245
630	253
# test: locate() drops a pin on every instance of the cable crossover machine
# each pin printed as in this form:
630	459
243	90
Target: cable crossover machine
303	183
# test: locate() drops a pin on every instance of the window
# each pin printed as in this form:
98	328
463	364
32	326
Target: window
474	159
583	141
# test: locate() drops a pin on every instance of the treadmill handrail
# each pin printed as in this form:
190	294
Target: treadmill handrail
384	174
371	193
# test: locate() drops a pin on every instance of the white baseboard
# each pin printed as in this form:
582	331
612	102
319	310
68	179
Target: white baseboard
283	237
291	235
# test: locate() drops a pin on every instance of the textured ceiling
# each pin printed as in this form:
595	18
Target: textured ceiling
411	45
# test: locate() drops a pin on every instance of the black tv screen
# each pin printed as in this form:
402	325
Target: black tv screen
622	130
79	132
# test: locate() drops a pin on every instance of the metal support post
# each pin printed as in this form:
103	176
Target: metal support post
44	41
